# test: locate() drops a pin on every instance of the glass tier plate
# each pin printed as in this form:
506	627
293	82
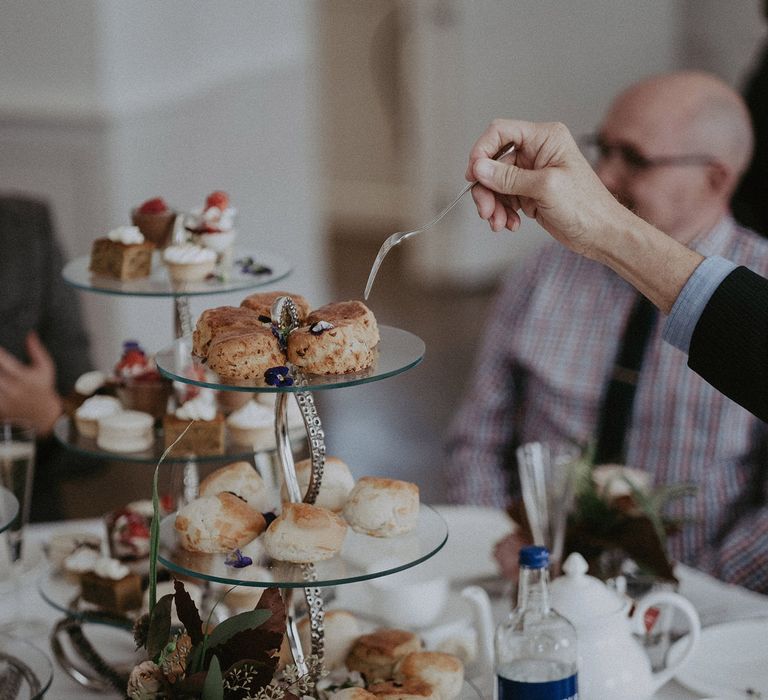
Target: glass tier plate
397	351
33	665
158	284
67	435
63	595
362	557
9	508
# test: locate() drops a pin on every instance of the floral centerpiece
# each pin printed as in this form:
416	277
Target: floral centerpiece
618	516
236	659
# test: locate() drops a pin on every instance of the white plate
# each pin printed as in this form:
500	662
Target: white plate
730	661
472	533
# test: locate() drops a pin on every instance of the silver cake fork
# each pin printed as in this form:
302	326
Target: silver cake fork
397	238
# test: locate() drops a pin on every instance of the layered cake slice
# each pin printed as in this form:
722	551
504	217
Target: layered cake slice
122	254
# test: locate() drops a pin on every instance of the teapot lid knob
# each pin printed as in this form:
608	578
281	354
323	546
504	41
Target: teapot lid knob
575	565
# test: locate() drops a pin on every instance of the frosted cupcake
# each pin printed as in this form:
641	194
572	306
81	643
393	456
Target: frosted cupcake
253	426
89	413
189	262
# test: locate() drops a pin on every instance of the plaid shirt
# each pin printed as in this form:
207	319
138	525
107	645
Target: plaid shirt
548	351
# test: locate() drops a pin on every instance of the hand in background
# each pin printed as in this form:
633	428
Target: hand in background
28	391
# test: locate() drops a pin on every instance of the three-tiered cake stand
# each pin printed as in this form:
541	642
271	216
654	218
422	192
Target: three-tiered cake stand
361	558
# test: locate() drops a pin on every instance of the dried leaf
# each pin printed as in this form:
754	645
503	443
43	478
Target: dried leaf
272	600
251	619
159	626
188	613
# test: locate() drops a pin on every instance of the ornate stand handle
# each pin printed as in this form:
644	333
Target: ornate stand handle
284	311
105	679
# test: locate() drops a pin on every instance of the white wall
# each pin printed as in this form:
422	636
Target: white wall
104	104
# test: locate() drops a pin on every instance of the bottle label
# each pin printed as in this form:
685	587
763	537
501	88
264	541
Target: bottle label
562	689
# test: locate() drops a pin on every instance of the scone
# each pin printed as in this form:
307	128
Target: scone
304	533
261	303
409	689
376	654
245	355
351	694
218	523
336	338
444	672
342	629
382	507
335	487
240	479
221	319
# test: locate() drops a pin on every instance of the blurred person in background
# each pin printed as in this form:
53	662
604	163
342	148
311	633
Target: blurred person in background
43	345
672	149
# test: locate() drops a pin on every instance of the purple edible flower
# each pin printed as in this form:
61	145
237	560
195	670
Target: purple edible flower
278	376
238	560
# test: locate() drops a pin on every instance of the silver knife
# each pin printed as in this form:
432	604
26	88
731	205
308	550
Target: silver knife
397	238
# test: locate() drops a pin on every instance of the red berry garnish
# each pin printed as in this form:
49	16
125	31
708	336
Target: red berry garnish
218	199
154	206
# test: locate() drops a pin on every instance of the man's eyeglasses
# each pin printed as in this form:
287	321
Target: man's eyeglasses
596	148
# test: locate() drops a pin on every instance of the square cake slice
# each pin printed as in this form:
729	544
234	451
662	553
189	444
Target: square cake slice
204	437
120	260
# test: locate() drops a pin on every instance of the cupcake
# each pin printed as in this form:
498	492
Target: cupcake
155	221
89	413
126	431
189	262
213	226
140	387
253	426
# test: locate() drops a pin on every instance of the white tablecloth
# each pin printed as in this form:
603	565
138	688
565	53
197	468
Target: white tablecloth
715	602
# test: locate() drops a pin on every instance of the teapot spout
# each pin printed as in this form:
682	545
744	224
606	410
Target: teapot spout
483	619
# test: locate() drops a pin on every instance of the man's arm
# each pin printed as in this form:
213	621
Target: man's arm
729	346
548	179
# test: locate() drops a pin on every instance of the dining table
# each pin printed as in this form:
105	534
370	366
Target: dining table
716	602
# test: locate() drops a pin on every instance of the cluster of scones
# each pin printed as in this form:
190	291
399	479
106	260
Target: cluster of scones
233	507
238	342
392	663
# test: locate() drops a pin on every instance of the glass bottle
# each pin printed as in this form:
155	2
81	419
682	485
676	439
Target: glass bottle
535	647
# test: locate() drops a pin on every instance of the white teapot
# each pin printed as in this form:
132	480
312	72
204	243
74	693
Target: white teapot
612	663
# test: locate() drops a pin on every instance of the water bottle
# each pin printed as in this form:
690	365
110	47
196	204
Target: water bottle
535	647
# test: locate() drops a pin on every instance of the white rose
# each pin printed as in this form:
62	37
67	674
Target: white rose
144	681
613	481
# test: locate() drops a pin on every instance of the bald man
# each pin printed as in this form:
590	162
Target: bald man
672	149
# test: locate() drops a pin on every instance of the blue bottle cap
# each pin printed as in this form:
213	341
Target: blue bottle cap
534	557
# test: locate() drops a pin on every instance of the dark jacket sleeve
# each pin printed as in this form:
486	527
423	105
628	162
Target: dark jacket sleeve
729	346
